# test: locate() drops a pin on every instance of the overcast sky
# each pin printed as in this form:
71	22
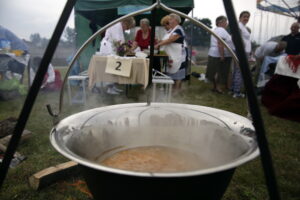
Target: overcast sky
24	17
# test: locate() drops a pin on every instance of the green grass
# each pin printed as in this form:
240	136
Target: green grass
248	182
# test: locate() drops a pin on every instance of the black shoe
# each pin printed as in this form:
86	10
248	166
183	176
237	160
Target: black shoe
195	74
96	90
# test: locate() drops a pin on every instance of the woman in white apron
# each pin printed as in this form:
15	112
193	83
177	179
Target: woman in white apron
173	44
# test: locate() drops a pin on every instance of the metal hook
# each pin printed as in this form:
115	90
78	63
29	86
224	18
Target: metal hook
158	3
55	118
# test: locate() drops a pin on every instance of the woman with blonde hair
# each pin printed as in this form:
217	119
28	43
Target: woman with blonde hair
173	45
165	22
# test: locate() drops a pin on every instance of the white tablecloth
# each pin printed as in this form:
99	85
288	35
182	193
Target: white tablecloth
139	72
282	68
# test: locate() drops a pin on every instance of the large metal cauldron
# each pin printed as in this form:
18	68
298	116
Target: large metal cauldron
222	139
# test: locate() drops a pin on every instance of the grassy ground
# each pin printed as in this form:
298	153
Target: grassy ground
248	181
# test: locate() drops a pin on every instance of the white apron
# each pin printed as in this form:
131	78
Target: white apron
175	53
113	34
107	48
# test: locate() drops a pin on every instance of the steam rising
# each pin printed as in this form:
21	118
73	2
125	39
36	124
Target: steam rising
118	129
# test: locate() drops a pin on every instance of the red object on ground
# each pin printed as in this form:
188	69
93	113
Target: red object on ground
281	96
54	86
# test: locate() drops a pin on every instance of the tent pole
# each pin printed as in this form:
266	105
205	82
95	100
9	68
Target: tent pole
34	89
189	68
152	40
253	104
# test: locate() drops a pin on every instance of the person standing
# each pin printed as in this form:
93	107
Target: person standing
143	35
237	80
219	58
114	35
173	45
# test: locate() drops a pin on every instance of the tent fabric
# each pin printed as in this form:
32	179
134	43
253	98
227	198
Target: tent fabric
83	32
88	5
285	7
91	15
102	12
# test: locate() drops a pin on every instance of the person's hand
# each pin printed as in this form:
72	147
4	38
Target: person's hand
156	46
134	44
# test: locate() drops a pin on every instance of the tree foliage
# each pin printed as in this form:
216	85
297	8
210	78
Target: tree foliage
35	38
67	40
70	35
196	35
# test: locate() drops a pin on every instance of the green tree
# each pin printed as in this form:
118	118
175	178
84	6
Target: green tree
196	35
70	35
35	38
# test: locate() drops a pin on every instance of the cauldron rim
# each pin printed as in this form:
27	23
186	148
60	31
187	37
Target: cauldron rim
248	156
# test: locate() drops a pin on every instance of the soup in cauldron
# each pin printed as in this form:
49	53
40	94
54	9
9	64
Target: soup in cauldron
153	159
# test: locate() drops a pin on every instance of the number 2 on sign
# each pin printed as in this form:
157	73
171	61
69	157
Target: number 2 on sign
119	64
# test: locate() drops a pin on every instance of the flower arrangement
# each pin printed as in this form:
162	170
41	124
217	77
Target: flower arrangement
123	48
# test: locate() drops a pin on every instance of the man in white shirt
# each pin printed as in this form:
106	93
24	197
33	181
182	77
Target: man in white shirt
113	35
237	79
270	48
266	54
219	58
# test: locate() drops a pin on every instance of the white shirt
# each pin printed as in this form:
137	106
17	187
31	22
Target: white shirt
246	37
214	50
115	33
51	74
265	50
112	35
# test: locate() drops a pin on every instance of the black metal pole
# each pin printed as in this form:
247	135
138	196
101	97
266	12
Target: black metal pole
253	104
189	68
34	89
152	40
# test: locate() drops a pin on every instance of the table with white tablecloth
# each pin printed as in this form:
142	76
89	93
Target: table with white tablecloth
139	72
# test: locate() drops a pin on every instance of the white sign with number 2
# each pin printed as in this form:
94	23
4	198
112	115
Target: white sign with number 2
118	66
